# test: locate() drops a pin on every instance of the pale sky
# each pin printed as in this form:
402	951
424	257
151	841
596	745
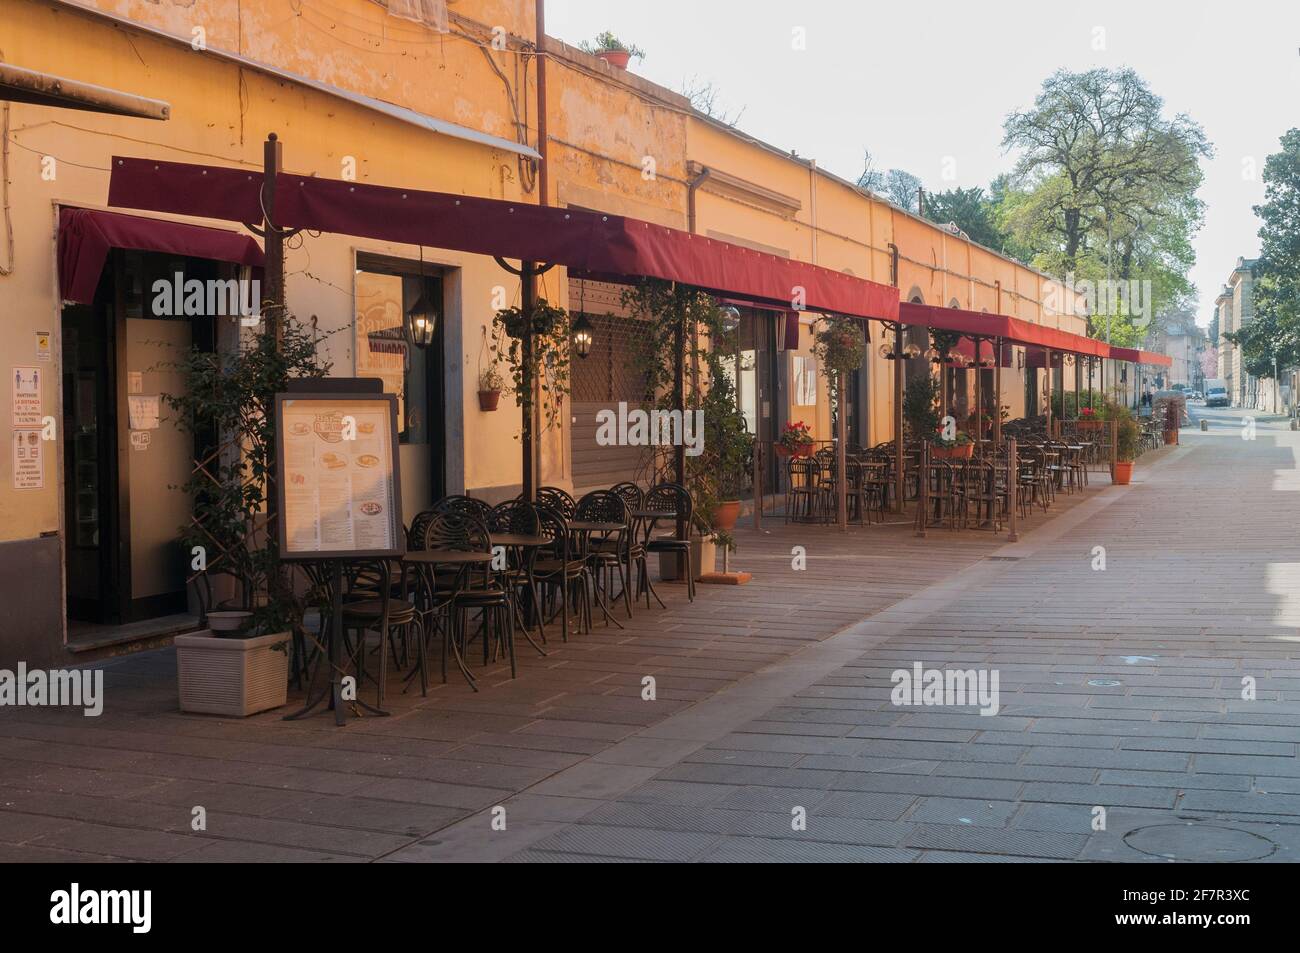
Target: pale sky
917	82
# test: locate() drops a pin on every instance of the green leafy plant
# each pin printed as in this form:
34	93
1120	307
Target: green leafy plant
546	376
607	42
795	436
227	402
721	471
840	347
921	406
490	379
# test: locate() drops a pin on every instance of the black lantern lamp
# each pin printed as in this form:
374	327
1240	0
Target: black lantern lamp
730	318
582	336
421	319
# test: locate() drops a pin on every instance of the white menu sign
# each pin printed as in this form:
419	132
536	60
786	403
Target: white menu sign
337	477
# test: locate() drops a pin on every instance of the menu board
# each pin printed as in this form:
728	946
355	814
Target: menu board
337	488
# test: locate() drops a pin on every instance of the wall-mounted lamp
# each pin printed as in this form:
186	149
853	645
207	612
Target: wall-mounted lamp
582	336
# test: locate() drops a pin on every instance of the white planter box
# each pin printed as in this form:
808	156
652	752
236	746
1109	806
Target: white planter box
232	676
704	557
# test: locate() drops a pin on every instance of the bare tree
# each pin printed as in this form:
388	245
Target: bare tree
703	95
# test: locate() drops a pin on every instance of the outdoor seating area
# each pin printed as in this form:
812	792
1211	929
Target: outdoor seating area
491	575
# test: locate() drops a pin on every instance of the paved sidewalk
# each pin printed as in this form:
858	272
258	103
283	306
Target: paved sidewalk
775	696
1121	706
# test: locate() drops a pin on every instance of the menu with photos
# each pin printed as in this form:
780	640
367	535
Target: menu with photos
337	476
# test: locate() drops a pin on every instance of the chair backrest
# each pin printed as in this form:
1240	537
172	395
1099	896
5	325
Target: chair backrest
803	471
602	506
419	526
463	504
463	531
552	497
555	528
630	493
670	498
514	516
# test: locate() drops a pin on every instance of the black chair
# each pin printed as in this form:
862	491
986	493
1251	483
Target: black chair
607	551
673	500
370	606
631	494
562	570
553	498
518	517
475	588
463	504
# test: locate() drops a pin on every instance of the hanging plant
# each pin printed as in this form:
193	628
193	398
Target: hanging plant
840	345
547	374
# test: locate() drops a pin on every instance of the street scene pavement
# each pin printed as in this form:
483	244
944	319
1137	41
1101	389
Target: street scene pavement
1145	642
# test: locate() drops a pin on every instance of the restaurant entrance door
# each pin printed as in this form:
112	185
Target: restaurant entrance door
125	461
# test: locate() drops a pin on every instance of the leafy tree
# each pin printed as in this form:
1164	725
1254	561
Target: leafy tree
972	211
896	185
1106	184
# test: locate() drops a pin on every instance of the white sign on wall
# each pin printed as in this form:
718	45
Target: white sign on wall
29	464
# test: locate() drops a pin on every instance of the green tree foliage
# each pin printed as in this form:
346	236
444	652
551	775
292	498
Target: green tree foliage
971	210
1274	334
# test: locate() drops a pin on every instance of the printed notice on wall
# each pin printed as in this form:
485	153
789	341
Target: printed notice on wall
338	476
29	464
42	345
27	396
142	412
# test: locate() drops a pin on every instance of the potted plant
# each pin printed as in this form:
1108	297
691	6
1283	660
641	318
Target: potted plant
1088	419
795	441
489	389
240	665
612	50
1126	443
546	376
958	446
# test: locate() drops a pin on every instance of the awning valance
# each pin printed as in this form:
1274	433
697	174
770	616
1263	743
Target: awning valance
590	244
1135	356
86	237
998	326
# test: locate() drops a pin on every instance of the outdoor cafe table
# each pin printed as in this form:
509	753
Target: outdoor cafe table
526	541
428	559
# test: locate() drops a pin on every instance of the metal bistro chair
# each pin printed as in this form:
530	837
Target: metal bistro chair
608	552
463	504
804	490
476	588
520	518
673	500
370	606
552	497
561	570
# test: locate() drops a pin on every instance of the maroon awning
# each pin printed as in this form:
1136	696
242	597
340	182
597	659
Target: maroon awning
1136	356
987	325
591	244
87	236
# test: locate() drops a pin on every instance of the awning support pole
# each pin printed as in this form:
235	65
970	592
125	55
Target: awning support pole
841	466
979	402
997	394
528	293
899	482
679	400
1047	367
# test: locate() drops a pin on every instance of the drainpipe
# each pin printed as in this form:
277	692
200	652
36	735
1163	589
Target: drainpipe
691	187
542	170
899	481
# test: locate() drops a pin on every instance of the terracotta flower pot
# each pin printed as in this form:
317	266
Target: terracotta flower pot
1123	472
725	516
618	58
963	452
488	399
784	452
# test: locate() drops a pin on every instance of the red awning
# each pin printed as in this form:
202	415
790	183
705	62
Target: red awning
588	243
1135	356
86	236
998	326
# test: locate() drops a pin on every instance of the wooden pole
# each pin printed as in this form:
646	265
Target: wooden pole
898	417
273	312
997	392
923	492
528	279
978	390
1013	489
757	481
841	453
1047	364
679	401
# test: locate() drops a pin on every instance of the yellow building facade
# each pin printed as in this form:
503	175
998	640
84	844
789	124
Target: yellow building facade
353	90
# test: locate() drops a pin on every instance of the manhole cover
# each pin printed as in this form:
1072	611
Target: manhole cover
1104	683
1199	843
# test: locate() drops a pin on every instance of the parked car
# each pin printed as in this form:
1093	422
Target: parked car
1216	394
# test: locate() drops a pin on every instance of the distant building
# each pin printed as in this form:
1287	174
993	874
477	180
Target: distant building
1236	309
1183	341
